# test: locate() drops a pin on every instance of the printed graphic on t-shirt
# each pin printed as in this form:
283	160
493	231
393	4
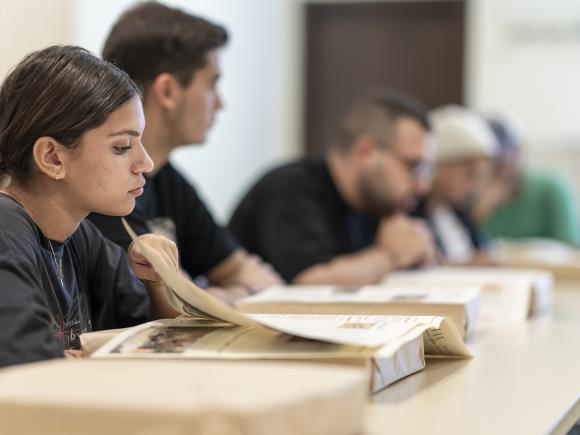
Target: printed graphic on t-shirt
69	332
68	329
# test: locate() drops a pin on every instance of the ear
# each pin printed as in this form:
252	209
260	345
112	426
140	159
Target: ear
49	157
166	91
364	149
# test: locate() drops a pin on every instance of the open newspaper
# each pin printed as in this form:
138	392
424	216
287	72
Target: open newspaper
460	304
390	346
507	294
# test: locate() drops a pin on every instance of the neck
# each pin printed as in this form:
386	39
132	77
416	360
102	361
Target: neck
344	176
157	137
47	206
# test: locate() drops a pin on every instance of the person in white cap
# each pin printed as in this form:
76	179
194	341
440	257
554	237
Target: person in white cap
465	147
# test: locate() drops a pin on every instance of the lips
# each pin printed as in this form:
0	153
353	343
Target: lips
138	190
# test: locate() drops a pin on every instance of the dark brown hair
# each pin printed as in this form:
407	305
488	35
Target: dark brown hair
60	92
152	38
375	113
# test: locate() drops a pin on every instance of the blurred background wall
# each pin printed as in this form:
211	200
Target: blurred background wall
516	57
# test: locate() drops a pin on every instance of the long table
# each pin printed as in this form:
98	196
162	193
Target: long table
524	379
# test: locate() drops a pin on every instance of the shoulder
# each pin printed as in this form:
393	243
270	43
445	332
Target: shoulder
17	229
298	171
301	178
12	213
297	192
546	182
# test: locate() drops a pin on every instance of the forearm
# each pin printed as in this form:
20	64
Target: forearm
227	270
365	267
480	257
242	274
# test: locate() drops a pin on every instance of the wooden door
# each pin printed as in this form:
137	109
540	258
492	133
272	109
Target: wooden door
414	46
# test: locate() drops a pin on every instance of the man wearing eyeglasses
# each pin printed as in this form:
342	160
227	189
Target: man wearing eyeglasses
343	220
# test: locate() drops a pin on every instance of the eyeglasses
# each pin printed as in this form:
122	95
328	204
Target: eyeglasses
419	169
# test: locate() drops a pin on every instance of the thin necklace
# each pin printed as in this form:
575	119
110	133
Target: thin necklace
58	265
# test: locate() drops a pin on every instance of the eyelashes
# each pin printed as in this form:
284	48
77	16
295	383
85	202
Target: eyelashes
121	149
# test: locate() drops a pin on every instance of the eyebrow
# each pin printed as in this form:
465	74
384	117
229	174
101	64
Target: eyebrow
125	133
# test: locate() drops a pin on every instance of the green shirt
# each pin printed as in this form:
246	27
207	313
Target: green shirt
544	208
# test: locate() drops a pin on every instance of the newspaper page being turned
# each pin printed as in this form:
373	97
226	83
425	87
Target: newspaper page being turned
185	296
195	302
211	329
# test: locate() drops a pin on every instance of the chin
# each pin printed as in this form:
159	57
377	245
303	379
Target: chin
120	210
197	140
197	137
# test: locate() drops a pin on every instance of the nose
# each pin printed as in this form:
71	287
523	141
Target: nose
143	162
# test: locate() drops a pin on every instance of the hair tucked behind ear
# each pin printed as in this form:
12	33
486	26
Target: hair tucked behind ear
60	92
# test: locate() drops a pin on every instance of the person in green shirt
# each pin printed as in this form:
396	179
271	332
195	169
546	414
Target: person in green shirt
524	203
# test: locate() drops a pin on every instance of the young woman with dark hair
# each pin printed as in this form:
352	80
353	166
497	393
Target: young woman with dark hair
70	130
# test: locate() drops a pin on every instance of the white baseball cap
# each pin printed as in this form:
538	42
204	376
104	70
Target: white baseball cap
462	133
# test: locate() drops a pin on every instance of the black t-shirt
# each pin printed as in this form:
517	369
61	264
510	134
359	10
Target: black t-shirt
170	206
294	218
51	292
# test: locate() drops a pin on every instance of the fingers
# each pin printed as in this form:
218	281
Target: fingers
409	240
271	277
73	354
171	253
160	248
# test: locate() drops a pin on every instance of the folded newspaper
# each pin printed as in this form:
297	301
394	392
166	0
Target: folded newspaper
391	347
553	256
460	304
507	294
123	397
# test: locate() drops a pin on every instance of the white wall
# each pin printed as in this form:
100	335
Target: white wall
261	87
523	58
27	25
